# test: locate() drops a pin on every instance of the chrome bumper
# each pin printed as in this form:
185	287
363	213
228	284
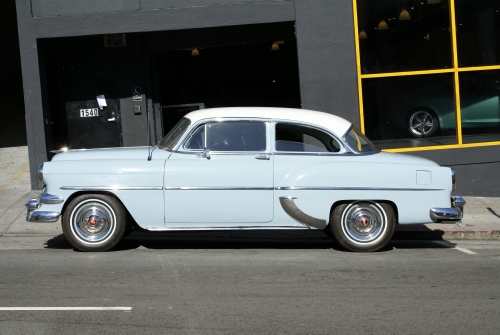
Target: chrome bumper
42	216
455	213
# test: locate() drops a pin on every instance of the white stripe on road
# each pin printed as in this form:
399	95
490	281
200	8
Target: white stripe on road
451	246
65	308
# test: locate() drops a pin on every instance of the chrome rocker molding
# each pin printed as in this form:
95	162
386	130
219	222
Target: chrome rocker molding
455	213
227	228
41	216
291	209
326	188
112	188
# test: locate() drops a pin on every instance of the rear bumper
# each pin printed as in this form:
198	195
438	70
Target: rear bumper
33	215
455	213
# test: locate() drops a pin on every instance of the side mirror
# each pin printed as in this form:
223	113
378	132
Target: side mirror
205	154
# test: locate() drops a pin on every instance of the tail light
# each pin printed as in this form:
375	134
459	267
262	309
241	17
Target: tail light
453	179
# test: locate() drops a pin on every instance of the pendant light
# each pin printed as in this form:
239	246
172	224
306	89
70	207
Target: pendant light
404	15
383	25
195	52
363	35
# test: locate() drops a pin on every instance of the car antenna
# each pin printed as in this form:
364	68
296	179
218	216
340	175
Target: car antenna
149	136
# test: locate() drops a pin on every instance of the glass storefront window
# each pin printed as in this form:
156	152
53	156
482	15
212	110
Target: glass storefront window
478	32
410	111
404	35
480	106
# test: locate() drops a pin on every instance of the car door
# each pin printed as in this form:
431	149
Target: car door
304	163
221	175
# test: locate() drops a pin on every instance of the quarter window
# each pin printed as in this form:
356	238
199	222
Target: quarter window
295	138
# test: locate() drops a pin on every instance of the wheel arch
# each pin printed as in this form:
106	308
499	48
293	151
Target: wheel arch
341	202
111	194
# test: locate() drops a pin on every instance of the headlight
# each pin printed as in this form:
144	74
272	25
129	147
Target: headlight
40	172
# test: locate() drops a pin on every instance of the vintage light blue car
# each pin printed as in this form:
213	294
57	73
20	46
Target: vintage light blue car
245	168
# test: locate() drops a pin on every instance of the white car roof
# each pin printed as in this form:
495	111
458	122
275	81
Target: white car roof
336	124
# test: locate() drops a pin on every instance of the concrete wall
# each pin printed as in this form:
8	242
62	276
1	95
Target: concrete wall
327	59
43	8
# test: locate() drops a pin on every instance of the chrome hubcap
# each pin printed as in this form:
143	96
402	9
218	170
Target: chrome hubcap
421	123
363	222
93	221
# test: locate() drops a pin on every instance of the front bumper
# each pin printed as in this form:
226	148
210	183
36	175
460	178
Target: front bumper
33	215
455	213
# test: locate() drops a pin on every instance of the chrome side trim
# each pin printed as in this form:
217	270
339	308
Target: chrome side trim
228	228
320	188
50	199
236	188
112	188
291	209
42	216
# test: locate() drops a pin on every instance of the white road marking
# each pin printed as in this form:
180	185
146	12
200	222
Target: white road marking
451	246
65	308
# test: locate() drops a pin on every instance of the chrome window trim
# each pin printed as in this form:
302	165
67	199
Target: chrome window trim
180	144
178	141
326	188
222	188
343	148
112	188
366	153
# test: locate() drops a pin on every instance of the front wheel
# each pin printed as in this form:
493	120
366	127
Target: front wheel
94	222
363	225
422	122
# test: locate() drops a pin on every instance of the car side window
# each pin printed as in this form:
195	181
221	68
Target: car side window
197	139
296	138
236	136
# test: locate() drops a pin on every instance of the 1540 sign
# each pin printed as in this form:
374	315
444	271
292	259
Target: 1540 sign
89	112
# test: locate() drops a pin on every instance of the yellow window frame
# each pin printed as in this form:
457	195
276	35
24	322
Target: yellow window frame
455	70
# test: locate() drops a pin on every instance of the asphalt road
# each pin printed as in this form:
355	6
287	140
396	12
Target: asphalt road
231	285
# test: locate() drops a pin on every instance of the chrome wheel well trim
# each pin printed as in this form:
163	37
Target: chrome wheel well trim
295	213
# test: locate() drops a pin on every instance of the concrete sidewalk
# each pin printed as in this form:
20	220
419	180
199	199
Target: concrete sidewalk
481	220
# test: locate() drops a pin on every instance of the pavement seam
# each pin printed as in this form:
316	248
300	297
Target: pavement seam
16	177
19	199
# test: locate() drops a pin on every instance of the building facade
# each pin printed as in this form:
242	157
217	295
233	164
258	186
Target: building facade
416	76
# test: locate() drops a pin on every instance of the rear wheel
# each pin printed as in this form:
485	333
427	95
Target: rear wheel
422	122
363	225
94	222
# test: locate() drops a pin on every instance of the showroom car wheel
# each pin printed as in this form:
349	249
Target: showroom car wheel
363	225
94	222
422	122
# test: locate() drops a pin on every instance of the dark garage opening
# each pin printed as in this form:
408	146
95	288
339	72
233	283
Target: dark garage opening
241	74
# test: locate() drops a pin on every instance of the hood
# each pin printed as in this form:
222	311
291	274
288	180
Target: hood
104	153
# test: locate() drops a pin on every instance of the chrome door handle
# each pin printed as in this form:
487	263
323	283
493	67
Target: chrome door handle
113	119
263	157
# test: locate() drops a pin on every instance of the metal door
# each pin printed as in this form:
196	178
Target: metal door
88	124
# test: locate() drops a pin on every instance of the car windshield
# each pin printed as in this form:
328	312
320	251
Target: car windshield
359	142
173	136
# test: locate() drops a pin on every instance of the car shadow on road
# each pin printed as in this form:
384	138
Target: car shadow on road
268	239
